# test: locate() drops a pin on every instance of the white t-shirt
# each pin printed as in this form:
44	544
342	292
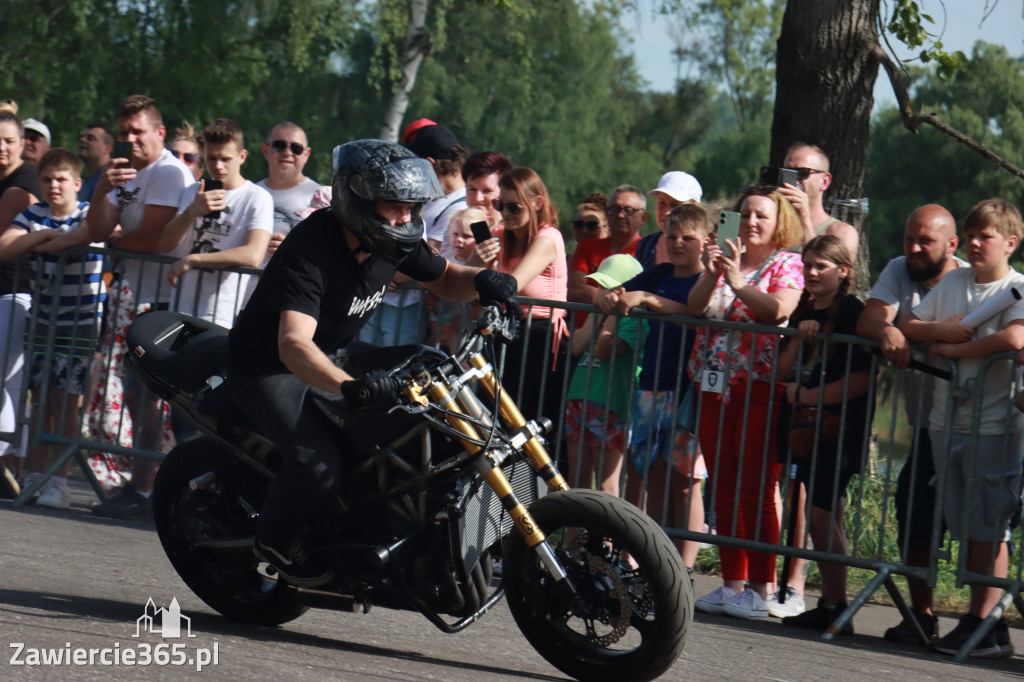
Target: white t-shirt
158	184
290	204
895	288
217	295
958	294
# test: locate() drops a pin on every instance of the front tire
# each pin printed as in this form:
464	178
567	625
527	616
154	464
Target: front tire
625	623
188	520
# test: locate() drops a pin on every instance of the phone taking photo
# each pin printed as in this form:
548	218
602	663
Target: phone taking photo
728	227
776	176
123	150
208	185
481	232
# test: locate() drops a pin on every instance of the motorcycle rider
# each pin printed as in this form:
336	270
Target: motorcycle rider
317	291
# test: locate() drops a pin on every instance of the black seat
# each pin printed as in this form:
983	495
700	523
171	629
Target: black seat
178	352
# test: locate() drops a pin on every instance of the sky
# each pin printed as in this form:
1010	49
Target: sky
963	26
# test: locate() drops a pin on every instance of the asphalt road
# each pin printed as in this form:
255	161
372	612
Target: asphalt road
71	581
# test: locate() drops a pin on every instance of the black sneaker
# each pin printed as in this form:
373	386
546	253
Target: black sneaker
820	618
128	505
294	565
995	644
907	633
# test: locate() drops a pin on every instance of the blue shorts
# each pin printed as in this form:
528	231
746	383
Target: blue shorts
663	430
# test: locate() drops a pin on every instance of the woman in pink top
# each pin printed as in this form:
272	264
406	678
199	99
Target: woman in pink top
530	247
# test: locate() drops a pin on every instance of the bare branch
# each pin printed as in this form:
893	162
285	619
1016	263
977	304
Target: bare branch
912	120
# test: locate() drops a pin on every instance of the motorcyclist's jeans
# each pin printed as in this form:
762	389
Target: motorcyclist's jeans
279	406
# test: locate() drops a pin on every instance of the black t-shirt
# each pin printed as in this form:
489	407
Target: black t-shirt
845	322
316	273
14	274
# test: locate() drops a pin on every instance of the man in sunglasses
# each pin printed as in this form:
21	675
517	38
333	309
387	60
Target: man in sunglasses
627	212
287	151
813	166
94	147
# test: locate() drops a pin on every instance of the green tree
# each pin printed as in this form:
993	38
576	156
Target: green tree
984	99
550	88
733	44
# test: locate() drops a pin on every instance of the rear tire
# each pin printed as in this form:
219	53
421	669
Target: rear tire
624	623
227	580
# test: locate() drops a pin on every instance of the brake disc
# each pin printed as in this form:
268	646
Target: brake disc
613	591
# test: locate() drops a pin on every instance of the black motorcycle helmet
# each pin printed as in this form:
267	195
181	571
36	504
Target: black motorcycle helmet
367	171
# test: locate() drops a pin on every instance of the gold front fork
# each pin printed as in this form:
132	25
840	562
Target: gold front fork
514	419
494	476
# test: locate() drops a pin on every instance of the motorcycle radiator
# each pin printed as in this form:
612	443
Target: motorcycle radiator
483	519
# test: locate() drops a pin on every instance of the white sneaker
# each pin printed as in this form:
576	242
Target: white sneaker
56	496
28	481
713	603
793	606
748	605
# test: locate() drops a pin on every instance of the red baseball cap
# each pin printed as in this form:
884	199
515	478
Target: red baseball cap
414	126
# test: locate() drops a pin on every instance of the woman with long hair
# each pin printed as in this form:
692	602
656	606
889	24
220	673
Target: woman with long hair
529	246
828	307
754	281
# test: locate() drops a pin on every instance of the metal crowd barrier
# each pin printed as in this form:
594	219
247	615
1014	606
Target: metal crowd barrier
870	517
870	509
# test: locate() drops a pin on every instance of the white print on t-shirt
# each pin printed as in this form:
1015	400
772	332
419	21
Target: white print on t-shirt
210	232
361	306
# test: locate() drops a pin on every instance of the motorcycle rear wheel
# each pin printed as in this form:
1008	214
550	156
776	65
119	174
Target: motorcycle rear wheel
625	623
226	580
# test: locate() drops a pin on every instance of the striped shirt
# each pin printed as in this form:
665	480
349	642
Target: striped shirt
65	296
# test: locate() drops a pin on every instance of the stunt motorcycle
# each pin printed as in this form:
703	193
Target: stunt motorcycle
440	485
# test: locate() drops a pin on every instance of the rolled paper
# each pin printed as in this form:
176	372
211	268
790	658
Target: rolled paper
995	306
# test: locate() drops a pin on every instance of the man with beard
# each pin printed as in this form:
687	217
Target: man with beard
929	241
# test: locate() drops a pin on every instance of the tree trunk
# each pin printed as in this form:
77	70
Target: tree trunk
826	66
413	52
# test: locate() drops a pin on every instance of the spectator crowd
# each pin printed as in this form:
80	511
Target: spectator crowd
712	419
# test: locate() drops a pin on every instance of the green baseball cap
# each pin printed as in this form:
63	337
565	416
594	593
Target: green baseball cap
616	270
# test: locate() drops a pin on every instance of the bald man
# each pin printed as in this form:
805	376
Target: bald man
929	240
815	177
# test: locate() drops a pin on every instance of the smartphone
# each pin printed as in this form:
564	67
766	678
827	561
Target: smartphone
123	150
775	176
208	185
728	227
481	233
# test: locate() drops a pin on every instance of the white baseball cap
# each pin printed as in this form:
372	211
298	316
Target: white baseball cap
38	127
680	186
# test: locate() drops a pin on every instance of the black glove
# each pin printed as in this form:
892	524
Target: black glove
498	288
376	388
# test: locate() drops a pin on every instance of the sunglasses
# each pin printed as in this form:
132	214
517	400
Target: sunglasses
804	173
628	210
280	145
588	225
510	207
763	190
187	157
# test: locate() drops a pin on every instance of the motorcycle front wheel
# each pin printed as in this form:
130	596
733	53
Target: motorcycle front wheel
633	602
206	531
